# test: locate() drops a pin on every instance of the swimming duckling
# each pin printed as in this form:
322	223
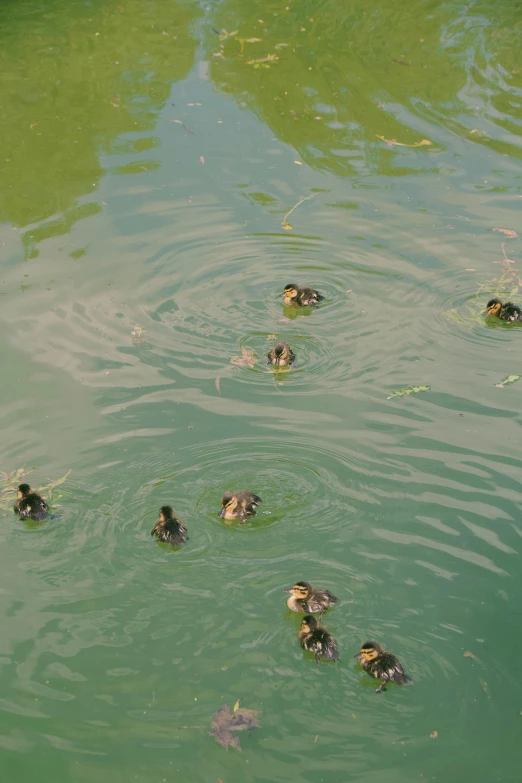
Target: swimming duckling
304	598
169	528
314	638
281	355
382	665
239	505
506	312
301	297
30	505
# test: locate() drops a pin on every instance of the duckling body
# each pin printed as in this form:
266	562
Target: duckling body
314	638
169	528
382	665
506	311
239	505
30	505
304	598
301	297
281	355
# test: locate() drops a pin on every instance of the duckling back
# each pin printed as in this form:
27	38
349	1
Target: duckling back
32	506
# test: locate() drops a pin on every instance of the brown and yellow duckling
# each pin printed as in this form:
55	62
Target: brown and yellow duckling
314	638
30	505
382	665
281	355
304	598
506	311
301	297
239	505
169	528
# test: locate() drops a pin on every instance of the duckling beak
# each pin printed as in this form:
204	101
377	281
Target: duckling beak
287	591
222	512
359	655
277	360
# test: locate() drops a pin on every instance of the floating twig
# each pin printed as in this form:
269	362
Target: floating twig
392	142
286	225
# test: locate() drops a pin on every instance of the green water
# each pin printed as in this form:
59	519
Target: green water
150	152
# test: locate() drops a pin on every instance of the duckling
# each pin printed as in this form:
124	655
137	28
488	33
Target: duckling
301	297
382	665
30	505
281	355
304	598
239	505
506	312
169	528
314	638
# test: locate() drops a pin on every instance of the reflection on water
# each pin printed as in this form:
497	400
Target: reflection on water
159	164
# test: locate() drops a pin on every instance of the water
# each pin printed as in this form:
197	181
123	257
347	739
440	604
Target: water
150	153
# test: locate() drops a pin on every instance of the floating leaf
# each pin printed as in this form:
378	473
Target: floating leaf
224	724
137	334
434	734
507	232
287	226
509	379
236	705
468	654
408	390
247	358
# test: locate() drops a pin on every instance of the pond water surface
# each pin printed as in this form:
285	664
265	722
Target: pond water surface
152	153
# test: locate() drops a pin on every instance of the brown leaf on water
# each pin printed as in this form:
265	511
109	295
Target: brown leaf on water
507	232
468	654
434	734
247	358
224	724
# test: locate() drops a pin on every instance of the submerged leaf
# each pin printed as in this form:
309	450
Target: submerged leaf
247	358
408	390
224	724
507	232
509	379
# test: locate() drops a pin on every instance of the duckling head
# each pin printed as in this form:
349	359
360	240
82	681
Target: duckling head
300	590
166	513
279	353
309	624
290	290
229	504
369	651
23	491
493	306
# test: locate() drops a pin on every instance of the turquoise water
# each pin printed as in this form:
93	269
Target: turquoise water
151	154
